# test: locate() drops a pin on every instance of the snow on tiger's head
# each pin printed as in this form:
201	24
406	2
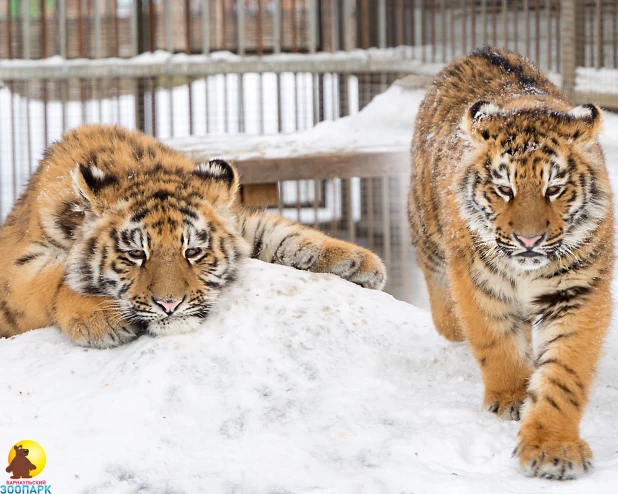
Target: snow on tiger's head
536	187
160	241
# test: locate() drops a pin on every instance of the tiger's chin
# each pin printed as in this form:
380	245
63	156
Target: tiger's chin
529	263
175	325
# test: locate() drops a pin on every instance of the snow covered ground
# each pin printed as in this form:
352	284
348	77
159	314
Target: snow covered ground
299	383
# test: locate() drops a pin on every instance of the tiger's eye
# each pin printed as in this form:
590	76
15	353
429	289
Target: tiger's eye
507	191
192	252
137	254
553	190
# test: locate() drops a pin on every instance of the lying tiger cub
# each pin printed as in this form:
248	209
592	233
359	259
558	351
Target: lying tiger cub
118	234
512	218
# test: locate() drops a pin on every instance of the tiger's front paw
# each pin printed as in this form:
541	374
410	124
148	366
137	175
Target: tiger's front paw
505	404
353	263
101	329
557	460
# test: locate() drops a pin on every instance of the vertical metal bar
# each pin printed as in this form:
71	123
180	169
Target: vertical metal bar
473	27
223	45
334	227
412	23
297	183
26	87
240	10
13	143
43	55
452	32
423	33
515	25
464	27
568	45
558	32
316	194
151	25
43	28
205	28
25	28
97	28
116	30
615	33
135	41
169	26
314	22
294	26
187	27
117	55
80	29
399	18
279	105
277	27
386	222
484	21
334	27
316	98
241	103
598	31
62	28
494	24
258	27
350	211
537	31
549	34
365	24
444	35
370	209
505	25
527	28
188	52
280	198
153	106
432	13
382	23
9	32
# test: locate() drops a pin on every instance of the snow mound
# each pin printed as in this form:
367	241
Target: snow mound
298	383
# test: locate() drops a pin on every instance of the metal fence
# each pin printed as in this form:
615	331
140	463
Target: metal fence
273	66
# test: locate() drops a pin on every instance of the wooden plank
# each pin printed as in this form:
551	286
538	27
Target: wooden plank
260	195
321	166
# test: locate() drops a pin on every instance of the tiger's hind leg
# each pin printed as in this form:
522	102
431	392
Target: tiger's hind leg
443	309
280	241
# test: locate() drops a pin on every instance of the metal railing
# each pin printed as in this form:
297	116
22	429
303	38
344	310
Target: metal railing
285	72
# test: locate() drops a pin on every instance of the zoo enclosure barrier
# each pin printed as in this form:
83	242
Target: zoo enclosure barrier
210	67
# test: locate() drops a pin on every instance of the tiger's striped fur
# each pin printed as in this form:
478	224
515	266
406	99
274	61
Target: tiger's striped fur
117	234
511	214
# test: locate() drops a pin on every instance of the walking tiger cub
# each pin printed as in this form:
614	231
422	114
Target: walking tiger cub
117	234
510	209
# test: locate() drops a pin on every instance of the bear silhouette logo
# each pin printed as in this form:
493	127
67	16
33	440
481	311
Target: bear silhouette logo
21	465
26	459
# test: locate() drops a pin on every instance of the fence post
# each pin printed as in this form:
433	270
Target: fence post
568	37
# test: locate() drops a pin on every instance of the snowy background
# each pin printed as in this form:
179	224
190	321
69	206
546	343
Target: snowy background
299	383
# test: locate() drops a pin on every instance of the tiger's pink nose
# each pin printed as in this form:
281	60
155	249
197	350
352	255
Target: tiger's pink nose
169	305
529	242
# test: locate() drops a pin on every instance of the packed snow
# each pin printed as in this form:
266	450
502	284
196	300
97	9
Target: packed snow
299	383
384	125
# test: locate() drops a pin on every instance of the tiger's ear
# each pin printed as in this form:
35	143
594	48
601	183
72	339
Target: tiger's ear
89	182
478	118
585	122
221	173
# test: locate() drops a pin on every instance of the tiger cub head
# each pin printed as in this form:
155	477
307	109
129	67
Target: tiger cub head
161	243
535	188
